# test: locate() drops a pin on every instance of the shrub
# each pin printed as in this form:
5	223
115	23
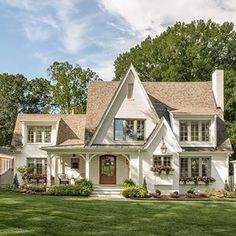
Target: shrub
191	191
145	184
232	195
15	181
176	192
134	192
158	191
226	186
85	183
83	188
128	183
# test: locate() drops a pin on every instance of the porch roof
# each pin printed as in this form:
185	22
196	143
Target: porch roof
97	148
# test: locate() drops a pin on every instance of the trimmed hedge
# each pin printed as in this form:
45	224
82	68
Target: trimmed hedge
81	188
134	192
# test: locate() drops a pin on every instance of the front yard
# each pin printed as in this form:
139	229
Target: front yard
22	214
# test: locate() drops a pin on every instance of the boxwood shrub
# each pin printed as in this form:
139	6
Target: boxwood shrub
134	192
81	188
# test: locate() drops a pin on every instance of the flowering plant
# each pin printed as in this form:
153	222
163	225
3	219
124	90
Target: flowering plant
36	177
160	168
196	179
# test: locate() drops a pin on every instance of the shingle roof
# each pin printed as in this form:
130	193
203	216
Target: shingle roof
5	153
71	127
187	97
183	97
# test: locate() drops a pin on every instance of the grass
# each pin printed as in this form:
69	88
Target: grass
22	214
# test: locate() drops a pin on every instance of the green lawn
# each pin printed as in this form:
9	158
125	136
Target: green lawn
22	214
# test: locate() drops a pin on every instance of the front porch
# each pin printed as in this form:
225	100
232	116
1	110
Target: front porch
99	168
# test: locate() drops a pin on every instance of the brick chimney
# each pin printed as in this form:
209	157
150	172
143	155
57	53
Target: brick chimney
218	87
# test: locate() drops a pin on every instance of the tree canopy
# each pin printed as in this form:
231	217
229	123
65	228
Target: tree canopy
70	86
188	52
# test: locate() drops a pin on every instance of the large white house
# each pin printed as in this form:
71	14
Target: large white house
132	129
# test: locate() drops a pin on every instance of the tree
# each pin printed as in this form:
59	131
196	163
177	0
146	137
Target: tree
70	85
38	98
12	97
188	52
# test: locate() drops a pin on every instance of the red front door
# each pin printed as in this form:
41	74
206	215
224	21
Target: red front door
107	169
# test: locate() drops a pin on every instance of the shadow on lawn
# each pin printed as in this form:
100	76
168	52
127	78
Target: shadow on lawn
47	215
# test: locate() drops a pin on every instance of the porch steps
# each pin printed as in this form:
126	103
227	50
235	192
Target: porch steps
106	191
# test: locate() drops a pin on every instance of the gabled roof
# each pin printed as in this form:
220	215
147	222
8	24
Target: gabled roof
175	96
70	127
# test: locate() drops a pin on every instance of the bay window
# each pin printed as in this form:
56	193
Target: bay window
195	166
129	130
39	134
194	131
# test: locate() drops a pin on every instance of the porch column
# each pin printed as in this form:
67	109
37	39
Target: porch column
140	171
56	170
49	170
87	167
234	176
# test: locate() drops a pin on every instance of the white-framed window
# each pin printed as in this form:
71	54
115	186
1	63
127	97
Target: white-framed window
39	134
6	164
195	166
129	130
75	163
194	131
39	165
162	160
130	92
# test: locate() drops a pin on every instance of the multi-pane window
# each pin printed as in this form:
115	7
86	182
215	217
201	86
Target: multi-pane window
6	165
183	131
75	163
162	160
38	164
194	131
39	134
195	166
205	131
130	91
129	130
206	166
184	167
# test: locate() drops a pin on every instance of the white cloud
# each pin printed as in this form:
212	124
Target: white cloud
153	16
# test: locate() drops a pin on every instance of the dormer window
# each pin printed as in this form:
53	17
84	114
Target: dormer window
130	92
39	134
194	131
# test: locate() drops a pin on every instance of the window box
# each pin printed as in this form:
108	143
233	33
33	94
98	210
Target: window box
197	180
159	169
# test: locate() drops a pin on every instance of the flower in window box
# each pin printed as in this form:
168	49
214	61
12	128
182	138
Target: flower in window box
159	168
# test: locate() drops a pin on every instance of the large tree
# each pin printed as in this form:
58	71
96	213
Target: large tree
12	97
38	97
188	52
70	86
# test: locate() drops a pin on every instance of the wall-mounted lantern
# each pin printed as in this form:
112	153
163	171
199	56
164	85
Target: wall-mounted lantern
163	147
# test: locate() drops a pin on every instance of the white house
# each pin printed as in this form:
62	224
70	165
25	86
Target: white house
131	128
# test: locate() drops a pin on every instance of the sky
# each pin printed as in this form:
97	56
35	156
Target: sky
91	33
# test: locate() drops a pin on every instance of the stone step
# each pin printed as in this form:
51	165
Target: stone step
106	190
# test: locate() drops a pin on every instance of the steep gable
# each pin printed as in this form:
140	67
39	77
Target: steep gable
121	106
